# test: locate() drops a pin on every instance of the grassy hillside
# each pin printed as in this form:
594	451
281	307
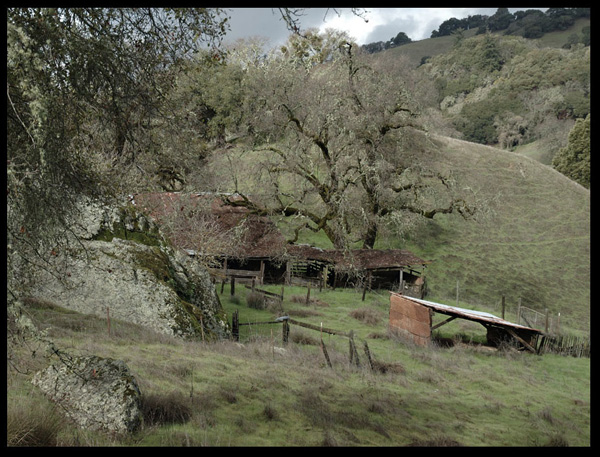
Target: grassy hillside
249	394
530	242
534	244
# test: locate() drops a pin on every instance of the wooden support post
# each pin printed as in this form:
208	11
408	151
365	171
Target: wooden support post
518	338
308	295
367	284
503	306
235	326
232	286
450	319
285	331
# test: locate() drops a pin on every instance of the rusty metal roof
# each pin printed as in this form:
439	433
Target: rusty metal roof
469	314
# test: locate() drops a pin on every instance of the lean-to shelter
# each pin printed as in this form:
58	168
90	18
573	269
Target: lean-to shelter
392	269
412	318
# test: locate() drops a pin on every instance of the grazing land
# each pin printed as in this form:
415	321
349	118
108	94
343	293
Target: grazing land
251	393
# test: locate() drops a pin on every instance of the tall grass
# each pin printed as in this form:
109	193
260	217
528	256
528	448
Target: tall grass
259	392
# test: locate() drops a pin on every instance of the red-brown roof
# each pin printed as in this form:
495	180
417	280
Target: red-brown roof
366	259
261	237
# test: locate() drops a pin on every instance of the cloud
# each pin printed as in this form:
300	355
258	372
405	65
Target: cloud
382	24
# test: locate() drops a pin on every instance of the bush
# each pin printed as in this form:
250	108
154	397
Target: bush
173	408
366	316
255	300
32	423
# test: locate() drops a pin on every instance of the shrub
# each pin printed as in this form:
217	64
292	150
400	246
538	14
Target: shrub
255	300
32	423
173	408
366	316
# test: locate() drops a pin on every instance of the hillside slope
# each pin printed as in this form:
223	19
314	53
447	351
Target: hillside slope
531	239
533	242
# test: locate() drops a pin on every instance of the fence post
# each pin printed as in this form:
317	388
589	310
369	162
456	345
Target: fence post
232	286
503	306
368	354
353	351
324	349
235	326
285	331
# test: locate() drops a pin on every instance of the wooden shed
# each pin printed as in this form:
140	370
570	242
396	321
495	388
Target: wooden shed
252	247
391	269
412	318
238	243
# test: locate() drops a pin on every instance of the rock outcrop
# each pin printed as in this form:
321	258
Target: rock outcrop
119	263
96	393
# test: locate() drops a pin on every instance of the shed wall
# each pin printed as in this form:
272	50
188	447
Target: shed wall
410	319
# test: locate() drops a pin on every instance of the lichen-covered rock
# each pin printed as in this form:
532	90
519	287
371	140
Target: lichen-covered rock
120	265
96	393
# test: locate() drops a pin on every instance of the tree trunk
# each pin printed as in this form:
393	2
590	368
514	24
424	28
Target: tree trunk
370	236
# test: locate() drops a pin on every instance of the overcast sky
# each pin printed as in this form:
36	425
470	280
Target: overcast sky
382	25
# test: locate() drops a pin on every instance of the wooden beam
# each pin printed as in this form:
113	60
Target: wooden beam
315	327
525	343
450	319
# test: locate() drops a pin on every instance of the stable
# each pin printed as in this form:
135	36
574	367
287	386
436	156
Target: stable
412	318
391	269
249	247
233	241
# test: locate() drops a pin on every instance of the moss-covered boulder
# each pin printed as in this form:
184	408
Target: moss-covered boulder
95	392
120	264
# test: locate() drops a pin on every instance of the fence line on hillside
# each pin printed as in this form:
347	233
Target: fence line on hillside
286	321
565	345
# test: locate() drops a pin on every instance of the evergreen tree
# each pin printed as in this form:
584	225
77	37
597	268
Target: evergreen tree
574	159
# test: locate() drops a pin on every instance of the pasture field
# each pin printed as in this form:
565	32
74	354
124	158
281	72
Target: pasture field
252	393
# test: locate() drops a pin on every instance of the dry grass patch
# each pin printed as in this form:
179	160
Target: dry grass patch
367	316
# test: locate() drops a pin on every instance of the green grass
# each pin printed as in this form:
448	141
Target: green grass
531	241
248	394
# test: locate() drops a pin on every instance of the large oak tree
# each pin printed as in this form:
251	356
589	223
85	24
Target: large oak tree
334	123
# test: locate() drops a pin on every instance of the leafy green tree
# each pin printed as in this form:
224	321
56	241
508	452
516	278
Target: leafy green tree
400	39
500	20
574	159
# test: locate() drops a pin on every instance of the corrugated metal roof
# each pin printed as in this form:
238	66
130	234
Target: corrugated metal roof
469	314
